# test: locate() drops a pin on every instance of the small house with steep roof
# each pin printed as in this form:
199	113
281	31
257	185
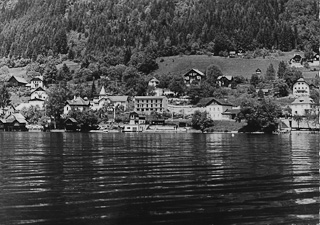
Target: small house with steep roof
17	81
224	81
39	93
15	122
36	82
193	76
77	103
71	124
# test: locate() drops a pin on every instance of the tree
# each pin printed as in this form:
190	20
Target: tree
281	88
32	114
4	97
55	102
212	74
298	119
260	115
87	119
177	85
255	80
281	69
201	121
260	93
270	73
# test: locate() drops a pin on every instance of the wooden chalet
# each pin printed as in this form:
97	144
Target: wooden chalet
17	81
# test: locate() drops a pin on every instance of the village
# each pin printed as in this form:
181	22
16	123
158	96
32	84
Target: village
160	111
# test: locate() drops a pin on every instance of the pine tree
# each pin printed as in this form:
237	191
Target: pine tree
271	73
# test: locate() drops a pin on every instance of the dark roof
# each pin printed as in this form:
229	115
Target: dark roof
231	112
207	101
19	79
38	89
195	70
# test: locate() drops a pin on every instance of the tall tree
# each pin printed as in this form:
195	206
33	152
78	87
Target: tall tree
4	97
270	73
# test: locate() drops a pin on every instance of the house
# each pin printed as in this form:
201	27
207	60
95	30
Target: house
148	104
15	122
193	76
296	59
77	103
154	82
17	81
258	71
224	81
136	123
36	82
303	105
39	93
215	108
301	88
135	118
232	54
71	124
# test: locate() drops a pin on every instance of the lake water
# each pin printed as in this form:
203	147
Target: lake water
92	178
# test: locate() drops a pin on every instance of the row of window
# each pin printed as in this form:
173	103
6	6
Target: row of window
149	101
149	109
147	105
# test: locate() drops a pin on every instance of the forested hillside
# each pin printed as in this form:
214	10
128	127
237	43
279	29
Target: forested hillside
165	27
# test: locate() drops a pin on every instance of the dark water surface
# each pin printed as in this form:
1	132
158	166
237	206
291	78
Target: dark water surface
74	178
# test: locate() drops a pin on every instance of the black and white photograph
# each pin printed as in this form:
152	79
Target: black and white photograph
159	112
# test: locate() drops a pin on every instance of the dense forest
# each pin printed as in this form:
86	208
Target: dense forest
163	27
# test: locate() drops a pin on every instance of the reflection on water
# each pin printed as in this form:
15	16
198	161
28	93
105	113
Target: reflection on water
73	178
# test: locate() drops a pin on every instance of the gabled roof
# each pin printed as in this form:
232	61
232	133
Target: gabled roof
301	80
231	112
303	100
207	101
78	102
38	89
16	116
19	79
228	77
195	70
73	120
36	99
37	78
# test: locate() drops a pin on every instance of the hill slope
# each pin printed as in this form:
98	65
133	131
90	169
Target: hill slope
177	65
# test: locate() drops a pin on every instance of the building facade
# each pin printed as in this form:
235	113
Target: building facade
301	88
193	76
148	104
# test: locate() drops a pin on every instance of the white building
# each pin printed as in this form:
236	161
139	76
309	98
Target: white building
302	105
216	108
39	93
301	88
148	104
36	82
